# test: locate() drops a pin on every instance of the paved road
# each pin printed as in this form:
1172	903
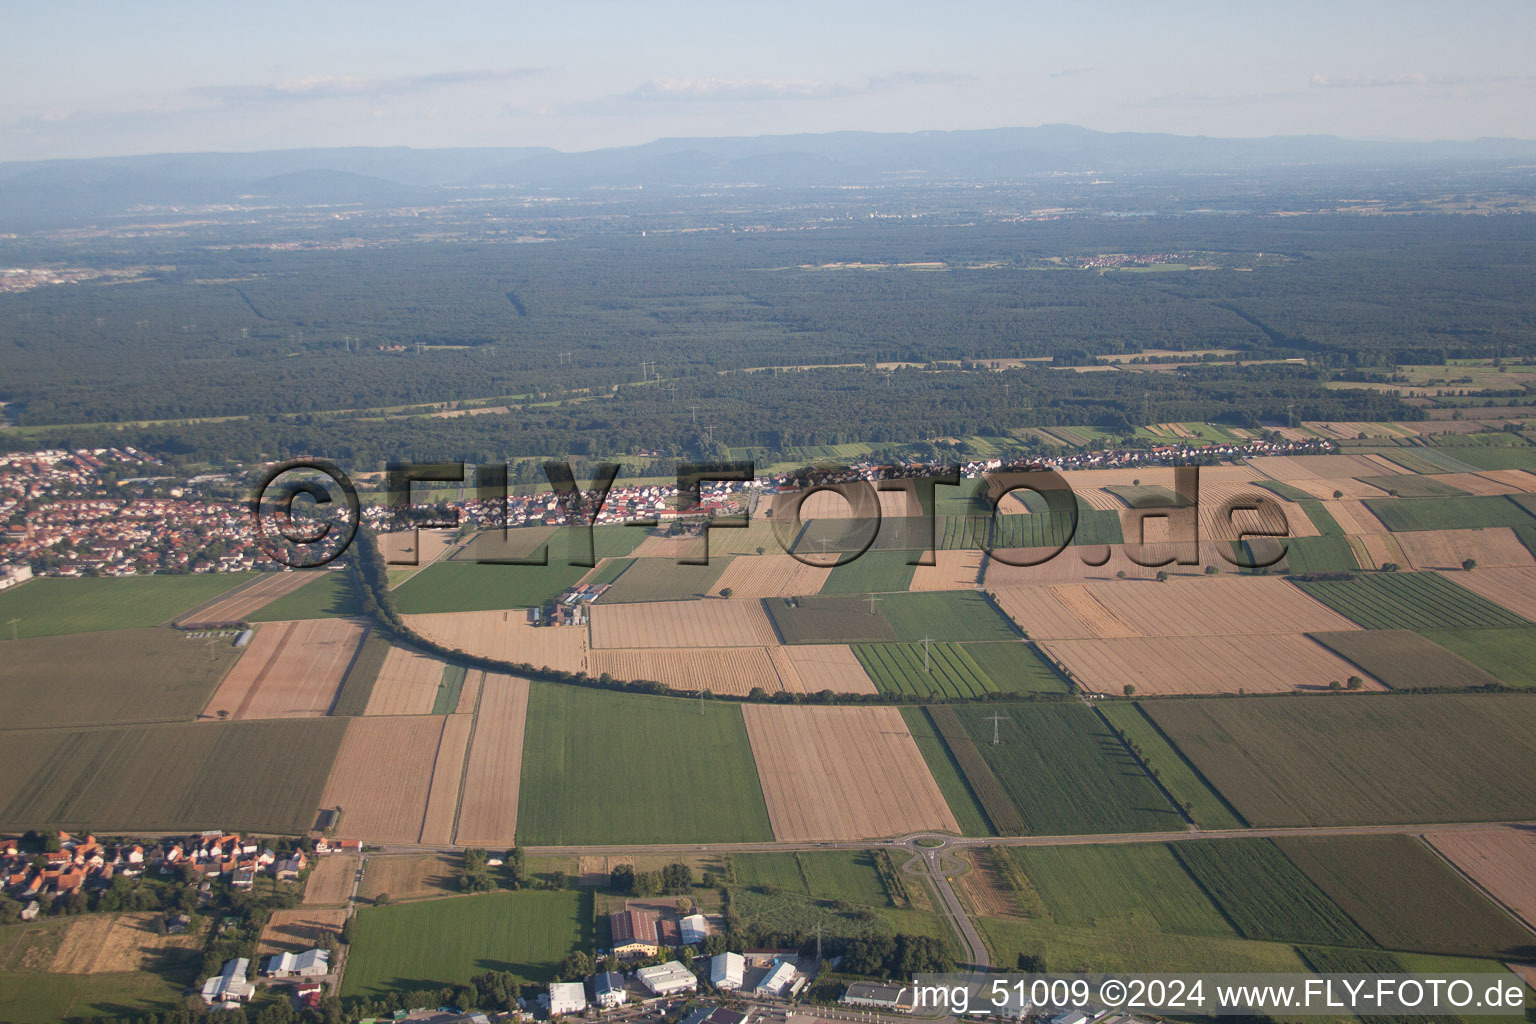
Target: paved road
939	864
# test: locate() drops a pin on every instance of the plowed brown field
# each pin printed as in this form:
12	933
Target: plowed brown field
952	570
507	636
290	670
1257	663
407	684
811	668
488	811
1501	859
706	623
1447	549
842	773
1373	550
753	576
253	597
297	930
1323	487
1519	479
1515	589
382	776
330	882
725	670
403	545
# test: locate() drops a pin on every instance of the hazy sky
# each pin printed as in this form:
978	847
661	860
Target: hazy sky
87	79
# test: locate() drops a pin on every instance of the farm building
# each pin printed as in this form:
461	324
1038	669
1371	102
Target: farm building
567	997
668	979
695	929
312	963
779	980
634	933
877	996
230	984
608	989
727	970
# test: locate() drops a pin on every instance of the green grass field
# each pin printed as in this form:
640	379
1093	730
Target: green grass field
829	620
1287	491
1413	485
1264	895
1508	654
30	997
663	579
1340	760
110	677
471	587
330	596
1044	529
1085	886
958	615
965	532
1115	946
435	943
787	912
1065	770
1326	525
873	572
841	875
1176	774
583	751
1016	667
967	810
51	606
258	776
957	670
1410	600
1405	897
1404	514
1404	660
610	570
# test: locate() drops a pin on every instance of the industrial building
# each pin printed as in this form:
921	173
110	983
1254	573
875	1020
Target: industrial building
230	984
695	929
633	933
668	979
608	989
567	997
312	963
727	971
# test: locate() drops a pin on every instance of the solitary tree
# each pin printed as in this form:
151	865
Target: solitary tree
1355	682
381	900
1162	576
1469	564
726	591
1335	685
1129	689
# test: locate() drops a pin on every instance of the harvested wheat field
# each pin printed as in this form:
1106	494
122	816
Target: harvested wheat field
1291	468
1514	588
415	548
407	684
1477	483
1069	566
1083	480
1373	550
1217	526
330	881
469	693
726	670
896	504
842	773
1519	479
117	943
659	545
235	606
706	623
411	877
1348	486
447	772
811	668
1014	502
1208	605
506	636
488	810
382	776
297	930
1501	859
1446	549
1257	663
1353	517
952	570
290	670
755	576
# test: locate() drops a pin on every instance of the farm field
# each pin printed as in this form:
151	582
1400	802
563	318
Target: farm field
1174	773
1016	667
415	549
960	616
1402	515
1448	549
772	575
236	605
1063	769
829	620
1310	467
1514	589
49	606
736	671
167	778
382	777
1113	946
842	773
1161	666
518	542
288	670
1502	860
707	623
1221	522
1416	485
1408	600
299	929
1264	895
407	683
446	942
946	772
357	685
580	740
437	825
1405	897
873	572
456	586
488	809
1142	885
951	570
332	596
664	579
811	668
1404	660
411	876
1208	605
110	677
1350	488
506	636
1278	761
330	881
1316	554
1069	566
957	670
1507	654
841	875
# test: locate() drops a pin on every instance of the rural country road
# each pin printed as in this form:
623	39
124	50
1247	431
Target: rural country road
933	857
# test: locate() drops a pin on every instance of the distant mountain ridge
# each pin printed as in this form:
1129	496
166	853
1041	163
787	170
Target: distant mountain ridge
53	189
